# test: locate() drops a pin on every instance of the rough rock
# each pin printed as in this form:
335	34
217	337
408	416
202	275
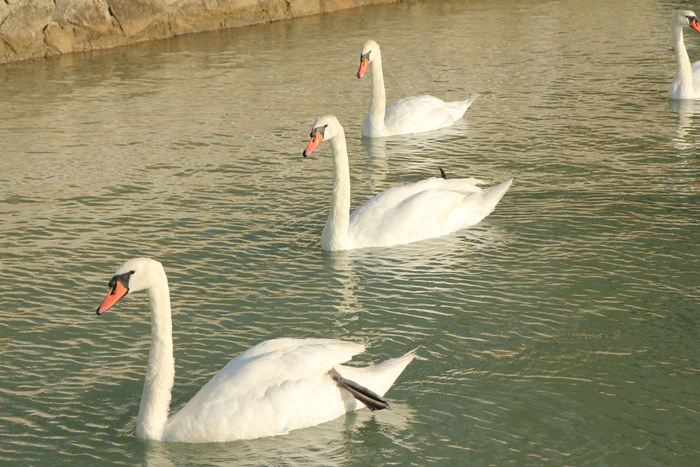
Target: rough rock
23	23
41	28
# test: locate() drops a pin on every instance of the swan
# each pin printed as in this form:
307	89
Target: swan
270	389
399	215
686	83
409	115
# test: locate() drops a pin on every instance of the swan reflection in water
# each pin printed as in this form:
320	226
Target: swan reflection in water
403	273
329	444
686	135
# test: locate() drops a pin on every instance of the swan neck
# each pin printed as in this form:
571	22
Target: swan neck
160	374
377	103
335	233
684	74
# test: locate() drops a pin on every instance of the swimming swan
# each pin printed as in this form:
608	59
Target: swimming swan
426	209
686	83
270	389
409	115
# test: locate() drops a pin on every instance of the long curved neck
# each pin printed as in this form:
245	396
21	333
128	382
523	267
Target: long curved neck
160	375
377	103
335	233
684	74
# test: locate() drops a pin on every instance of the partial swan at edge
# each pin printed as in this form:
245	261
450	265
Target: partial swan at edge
686	83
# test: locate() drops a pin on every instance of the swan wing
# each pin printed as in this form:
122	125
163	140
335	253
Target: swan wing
422	113
421	210
390	198
274	361
696	77
262	391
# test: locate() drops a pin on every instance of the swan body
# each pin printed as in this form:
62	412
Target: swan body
409	115
425	209
270	389
686	83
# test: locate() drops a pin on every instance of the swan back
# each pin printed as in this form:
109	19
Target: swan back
426	209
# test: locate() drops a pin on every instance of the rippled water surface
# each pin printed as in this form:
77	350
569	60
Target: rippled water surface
563	329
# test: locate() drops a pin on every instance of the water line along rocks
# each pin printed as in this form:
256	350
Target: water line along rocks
42	28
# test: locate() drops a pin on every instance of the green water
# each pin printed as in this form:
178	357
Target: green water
563	329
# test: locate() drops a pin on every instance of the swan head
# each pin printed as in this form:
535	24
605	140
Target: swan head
685	18
370	51
132	276
325	128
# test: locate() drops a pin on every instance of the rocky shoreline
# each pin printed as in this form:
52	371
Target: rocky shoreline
42	28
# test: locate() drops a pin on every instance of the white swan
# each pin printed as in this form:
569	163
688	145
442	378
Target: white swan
399	215
686	83
274	387
409	115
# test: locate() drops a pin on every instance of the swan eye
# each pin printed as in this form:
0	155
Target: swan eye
365	56
319	129
123	279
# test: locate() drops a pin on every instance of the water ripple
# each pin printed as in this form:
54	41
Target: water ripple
562	329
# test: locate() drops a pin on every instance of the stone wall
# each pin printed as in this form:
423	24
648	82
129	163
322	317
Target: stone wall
41	28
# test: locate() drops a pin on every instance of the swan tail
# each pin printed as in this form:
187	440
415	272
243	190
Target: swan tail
379	377
369	398
470	100
491	196
458	108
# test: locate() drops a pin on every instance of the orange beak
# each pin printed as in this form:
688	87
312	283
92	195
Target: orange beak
316	139
364	61
115	294
695	25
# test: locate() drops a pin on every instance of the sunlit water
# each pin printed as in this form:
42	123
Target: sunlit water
563	329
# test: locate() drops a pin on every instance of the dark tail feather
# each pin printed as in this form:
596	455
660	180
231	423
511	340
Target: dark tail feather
372	400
